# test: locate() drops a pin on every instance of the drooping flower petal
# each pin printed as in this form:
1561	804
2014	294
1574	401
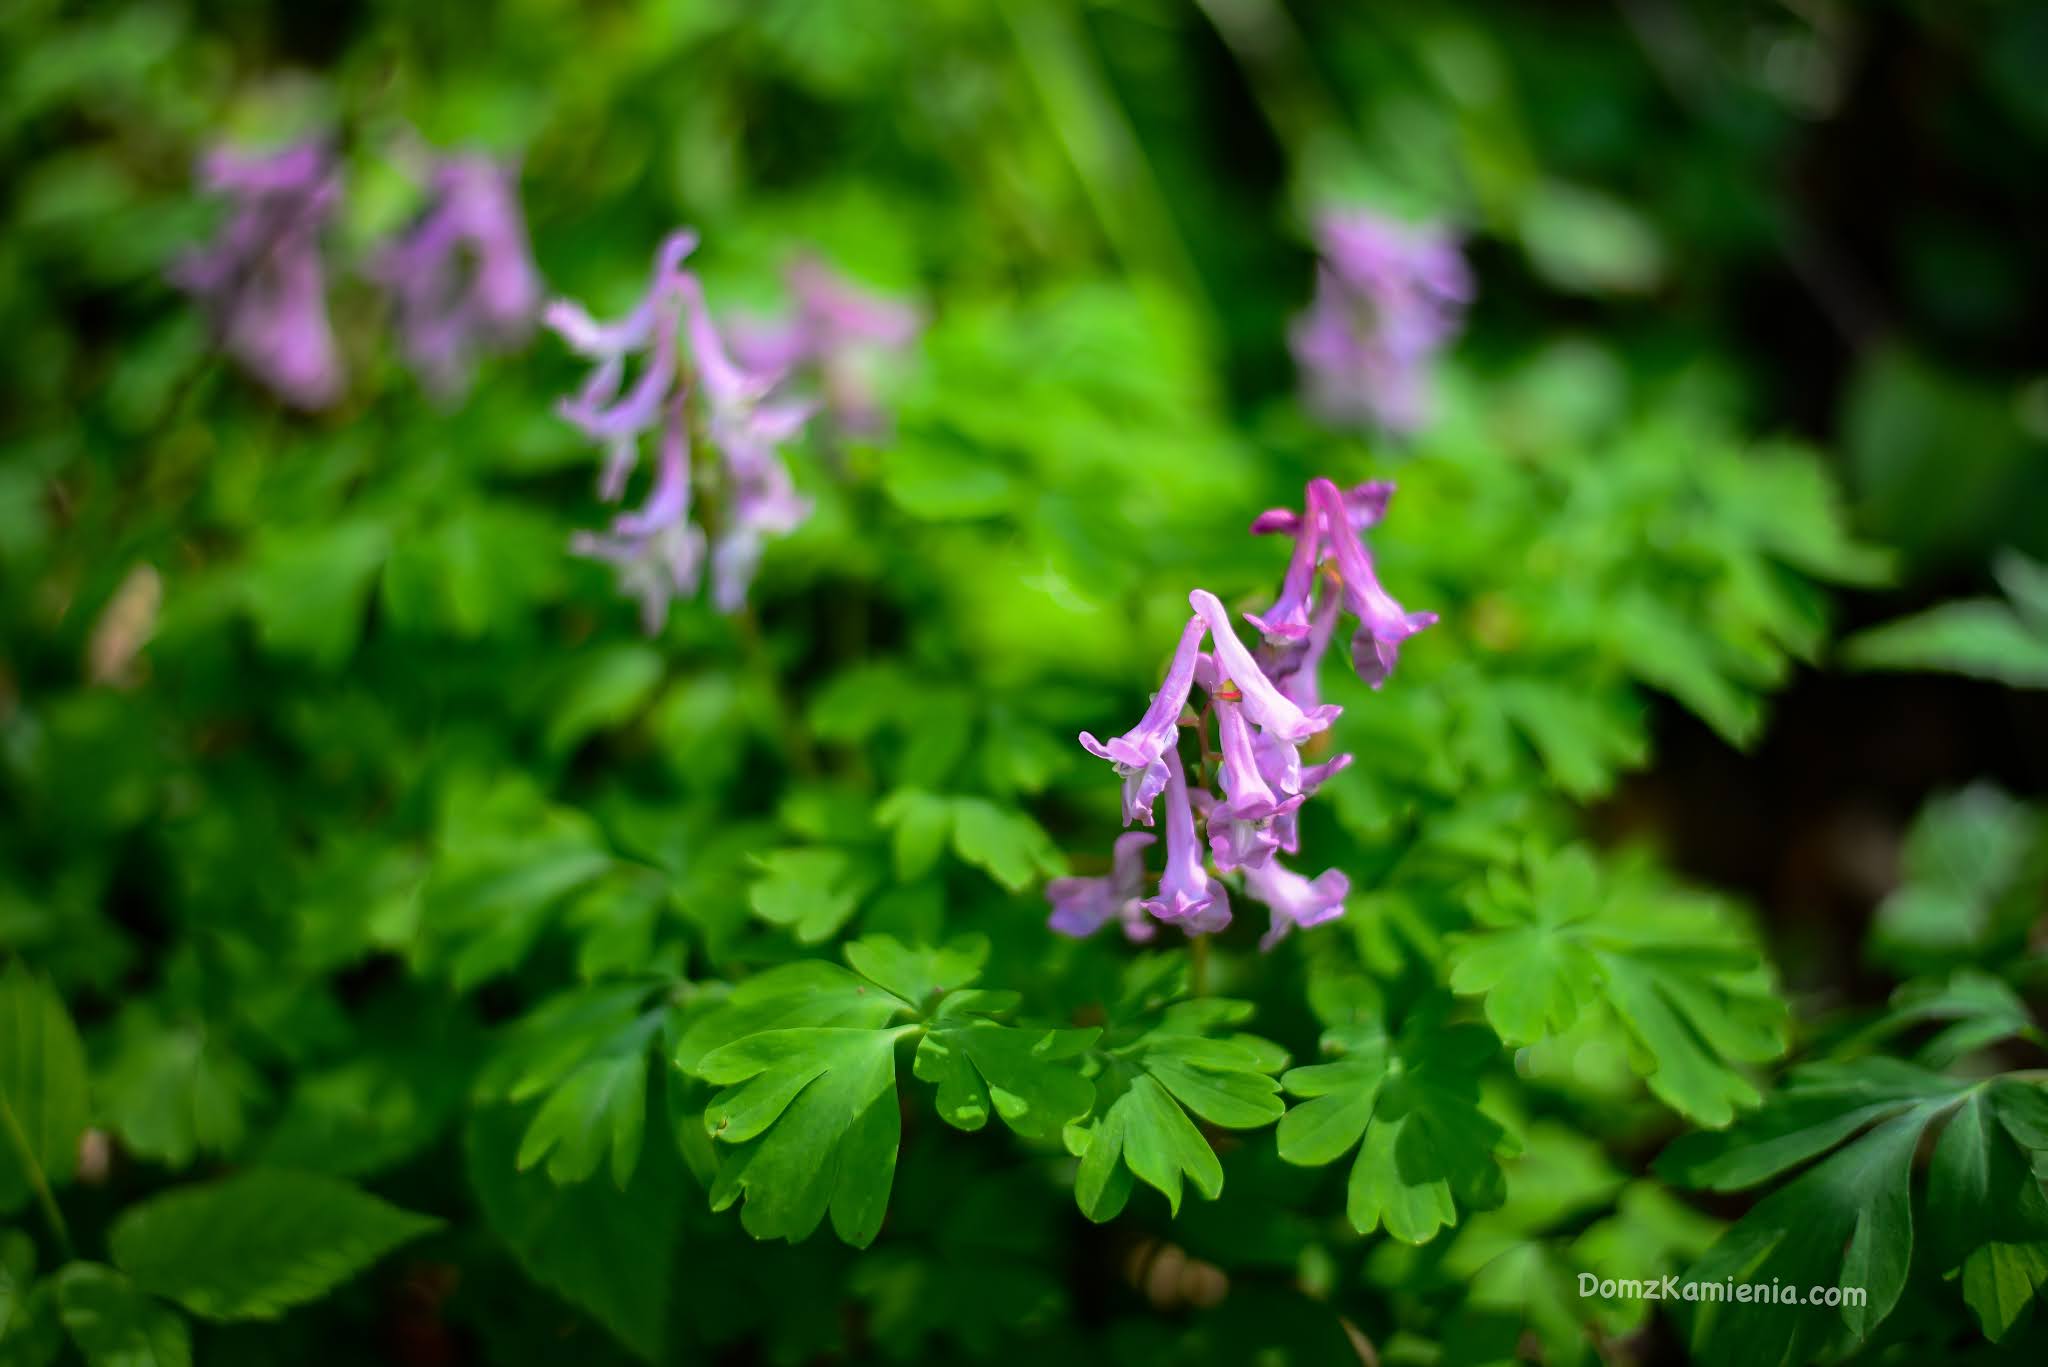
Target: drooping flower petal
461	277
262	281
1296	902
657	551
1082	906
1263	703
1387	298
1139	749
1188	897
1382	622
837	335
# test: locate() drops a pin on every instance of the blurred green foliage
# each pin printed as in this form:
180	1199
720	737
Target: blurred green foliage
356	840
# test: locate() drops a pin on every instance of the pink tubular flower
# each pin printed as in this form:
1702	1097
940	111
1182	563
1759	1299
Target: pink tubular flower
1296	902
1188	896
262	281
1082	906
1388	297
1137	753
1382	622
462	277
661	553
1263	703
838	336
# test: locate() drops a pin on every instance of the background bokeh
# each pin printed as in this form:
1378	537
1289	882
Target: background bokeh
1805	233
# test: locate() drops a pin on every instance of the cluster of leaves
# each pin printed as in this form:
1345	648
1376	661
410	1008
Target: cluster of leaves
357	842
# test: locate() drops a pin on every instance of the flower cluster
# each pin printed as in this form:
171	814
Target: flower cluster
1264	705
836	338
684	395
1388	298
461	276
263	281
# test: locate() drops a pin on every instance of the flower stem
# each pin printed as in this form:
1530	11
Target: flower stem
1198	965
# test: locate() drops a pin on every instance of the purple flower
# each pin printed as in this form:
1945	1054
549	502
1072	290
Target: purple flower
1082	906
1241	827
1307	779
1296	901
837	333
617	421
1388	297
1263	702
657	551
1365	505
262	281
1138	752
1382	622
1188	896
742	422
462	277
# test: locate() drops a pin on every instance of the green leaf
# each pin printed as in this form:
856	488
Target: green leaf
1411	1108
919	974
1004	843
1025	1074
812	1116
803	994
1587	242
809	891
1151	1085
1846	1222
42	1088
919	823
2001	1282
115	1325
600	1106
254	1245
1684	979
307	588
1980	637
1817	1107
174	1092
1971	869
611	1253
1981	1186
599	690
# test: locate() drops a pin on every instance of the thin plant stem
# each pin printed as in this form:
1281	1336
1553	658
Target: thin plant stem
36	1179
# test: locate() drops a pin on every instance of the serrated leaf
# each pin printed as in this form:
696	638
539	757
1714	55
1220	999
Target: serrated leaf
1411	1108
611	1253
42	1088
1026	1075
254	1245
115	1325
812	1116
